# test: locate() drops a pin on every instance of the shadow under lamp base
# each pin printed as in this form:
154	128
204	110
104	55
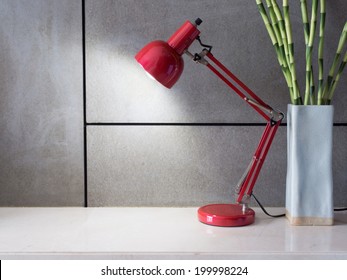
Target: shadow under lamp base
226	215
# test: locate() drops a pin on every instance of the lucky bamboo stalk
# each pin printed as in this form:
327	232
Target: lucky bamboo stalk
328	85
310	83
273	31
338	76
269	29
305	21
309	48
275	27
291	70
288	28
280	51
321	51
266	21
312	88
280	31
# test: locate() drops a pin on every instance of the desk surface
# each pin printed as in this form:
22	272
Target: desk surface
160	233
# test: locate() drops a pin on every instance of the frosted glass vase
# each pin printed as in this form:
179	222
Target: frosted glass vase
309	184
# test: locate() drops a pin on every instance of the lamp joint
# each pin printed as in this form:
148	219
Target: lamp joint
245	202
198	57
276	116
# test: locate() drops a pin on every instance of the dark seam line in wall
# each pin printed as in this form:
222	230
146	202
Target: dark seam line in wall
84	106
188	124
175	124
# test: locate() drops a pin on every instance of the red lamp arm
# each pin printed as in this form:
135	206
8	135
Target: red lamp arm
274	118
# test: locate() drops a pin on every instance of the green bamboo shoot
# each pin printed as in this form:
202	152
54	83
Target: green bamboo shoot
328	85
321	51
309	49
288	28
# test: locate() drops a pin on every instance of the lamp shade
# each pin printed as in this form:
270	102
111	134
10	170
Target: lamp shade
162	62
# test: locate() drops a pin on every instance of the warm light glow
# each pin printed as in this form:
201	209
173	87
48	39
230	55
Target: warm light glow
119	91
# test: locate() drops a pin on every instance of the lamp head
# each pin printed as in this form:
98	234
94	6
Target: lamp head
163	60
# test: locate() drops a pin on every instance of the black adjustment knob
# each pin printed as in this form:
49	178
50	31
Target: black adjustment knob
198	21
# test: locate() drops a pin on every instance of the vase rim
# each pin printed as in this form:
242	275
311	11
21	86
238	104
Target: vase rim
310	107
330	105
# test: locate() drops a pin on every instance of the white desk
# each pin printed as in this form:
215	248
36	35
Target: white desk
160	233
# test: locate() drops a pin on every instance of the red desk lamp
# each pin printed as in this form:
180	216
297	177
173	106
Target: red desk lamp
163	61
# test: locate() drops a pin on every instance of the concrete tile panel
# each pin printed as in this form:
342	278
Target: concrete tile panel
189	165
177	165
41	109
118	91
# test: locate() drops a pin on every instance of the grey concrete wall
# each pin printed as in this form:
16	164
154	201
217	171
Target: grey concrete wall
189	165
41	120
140	152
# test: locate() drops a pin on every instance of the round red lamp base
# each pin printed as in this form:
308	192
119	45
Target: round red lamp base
226	215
